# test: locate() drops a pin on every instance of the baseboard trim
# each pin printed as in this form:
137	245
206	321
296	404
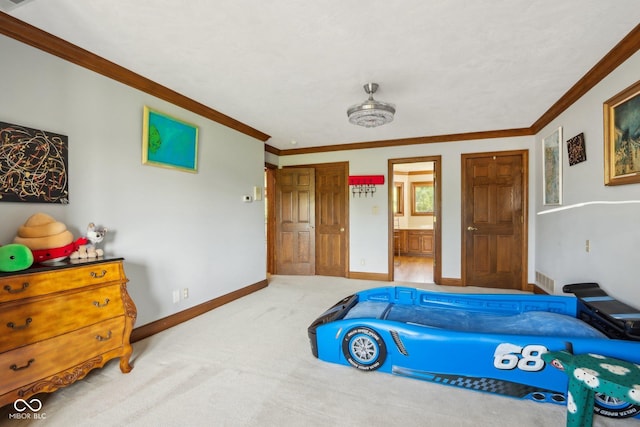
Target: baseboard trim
160	325
382	277
450	281
537	290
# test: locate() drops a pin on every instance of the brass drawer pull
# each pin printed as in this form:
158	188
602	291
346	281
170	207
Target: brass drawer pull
97	304
16	291
101	338
16	327
15	367
98	275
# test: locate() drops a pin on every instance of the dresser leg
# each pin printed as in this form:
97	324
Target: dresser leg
127	349
125	367
131	313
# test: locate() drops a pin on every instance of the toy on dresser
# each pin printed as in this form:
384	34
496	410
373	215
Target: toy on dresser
15	257
94	235
48	239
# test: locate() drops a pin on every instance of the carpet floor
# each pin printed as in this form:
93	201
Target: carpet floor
248	363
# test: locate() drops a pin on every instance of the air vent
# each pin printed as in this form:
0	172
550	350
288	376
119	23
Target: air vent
545	283
399	344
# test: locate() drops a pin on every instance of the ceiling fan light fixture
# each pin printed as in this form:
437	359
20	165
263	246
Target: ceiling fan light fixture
371	113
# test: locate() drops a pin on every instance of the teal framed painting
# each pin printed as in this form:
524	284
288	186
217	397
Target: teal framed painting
169	142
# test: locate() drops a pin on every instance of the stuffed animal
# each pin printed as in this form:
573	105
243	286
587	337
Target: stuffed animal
48	239
41	231
15	257
95	236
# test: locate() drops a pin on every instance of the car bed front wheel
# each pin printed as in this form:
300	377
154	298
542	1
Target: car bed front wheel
364	349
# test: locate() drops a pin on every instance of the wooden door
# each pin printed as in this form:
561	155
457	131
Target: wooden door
494	202
332	198
295	221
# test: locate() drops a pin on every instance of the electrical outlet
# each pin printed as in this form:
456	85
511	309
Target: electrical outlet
185	293
587	246
176	296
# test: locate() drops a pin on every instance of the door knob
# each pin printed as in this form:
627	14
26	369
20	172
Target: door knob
342	229
470	228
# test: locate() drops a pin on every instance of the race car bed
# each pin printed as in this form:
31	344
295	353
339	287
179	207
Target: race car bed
491	343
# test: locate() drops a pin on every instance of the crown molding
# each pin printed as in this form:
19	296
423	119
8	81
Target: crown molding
620	53
506	133
28	34
35	37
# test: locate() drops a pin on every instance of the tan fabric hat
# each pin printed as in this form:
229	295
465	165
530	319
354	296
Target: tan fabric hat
41	231
39	219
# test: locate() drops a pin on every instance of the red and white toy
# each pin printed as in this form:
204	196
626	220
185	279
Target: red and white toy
94	236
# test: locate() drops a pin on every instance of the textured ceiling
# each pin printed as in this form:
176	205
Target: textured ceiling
292	68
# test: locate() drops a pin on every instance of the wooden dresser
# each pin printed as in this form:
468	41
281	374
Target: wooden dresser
59	321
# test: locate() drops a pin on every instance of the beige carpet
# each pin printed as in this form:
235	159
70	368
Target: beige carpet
248	363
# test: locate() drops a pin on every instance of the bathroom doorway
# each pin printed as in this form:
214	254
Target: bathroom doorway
414	223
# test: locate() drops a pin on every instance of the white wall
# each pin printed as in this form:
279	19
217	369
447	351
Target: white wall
192	230
612	229
369	221
174	229
556	239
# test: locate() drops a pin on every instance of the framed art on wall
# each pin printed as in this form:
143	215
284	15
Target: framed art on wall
576	150
169	142
34	165
622	137
552	168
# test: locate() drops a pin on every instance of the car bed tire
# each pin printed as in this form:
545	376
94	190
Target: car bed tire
614	408
364	349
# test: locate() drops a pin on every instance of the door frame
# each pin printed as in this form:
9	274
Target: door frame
524	154
270	189
270	229
437	234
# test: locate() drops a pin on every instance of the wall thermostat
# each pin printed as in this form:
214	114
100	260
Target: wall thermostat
246	198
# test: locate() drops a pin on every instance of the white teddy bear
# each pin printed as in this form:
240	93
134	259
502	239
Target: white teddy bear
94	235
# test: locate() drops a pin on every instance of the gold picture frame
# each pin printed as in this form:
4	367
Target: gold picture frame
169	142
621	137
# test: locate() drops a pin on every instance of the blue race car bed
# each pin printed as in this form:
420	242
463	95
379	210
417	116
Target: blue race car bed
484	342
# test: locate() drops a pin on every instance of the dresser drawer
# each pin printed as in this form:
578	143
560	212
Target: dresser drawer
23	323
33	362
33	284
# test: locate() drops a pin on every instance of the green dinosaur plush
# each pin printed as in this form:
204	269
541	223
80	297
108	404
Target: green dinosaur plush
15	257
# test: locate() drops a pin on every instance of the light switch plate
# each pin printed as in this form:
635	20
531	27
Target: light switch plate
257	193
